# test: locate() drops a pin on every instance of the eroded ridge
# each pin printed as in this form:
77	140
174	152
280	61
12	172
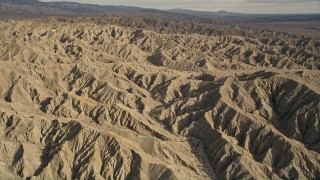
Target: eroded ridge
110	100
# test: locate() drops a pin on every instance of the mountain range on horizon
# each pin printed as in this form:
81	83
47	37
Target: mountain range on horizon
36	8
75	7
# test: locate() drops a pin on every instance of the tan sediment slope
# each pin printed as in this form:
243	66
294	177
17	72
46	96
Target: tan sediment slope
87	101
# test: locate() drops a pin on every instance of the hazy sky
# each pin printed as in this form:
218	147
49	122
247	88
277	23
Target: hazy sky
244	6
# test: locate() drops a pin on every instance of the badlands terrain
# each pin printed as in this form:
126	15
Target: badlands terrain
123	97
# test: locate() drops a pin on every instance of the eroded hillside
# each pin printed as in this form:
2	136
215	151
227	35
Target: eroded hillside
110	100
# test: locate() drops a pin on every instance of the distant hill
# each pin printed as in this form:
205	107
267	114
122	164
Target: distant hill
90	8
63	8
22	9
23	2
30	7
207	14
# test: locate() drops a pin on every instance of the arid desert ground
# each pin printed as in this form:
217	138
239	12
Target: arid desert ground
155	96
